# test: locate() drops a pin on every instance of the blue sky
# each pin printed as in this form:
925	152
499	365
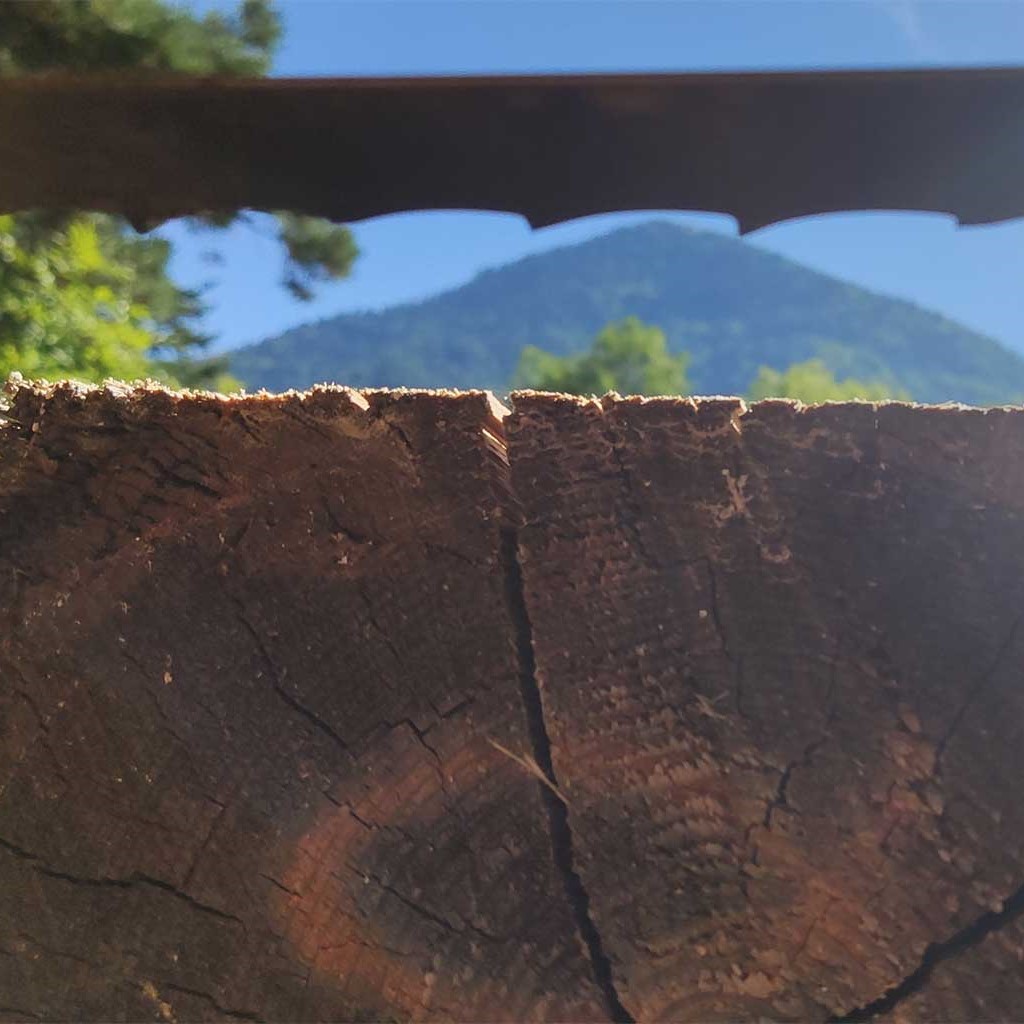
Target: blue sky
975	275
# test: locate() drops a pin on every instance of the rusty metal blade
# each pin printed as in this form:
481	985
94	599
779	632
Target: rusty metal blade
762	147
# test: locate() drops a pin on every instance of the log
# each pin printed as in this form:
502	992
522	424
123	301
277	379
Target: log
256	655
780	654
398	706
761	147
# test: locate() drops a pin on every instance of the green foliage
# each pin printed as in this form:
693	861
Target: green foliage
318	250
812	381
731	306
134	35
141	36
629	357
632	358
66	309
71	305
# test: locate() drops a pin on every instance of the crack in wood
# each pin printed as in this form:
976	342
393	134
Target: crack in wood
781	798
937	953
206	997
980	688
311	716
136	878
558	813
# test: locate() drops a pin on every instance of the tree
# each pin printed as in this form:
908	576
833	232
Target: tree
812	381
67	309
75	302
130	35
629	357
140	36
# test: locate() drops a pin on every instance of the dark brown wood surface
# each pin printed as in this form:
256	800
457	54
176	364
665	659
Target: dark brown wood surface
253	657
350	706
781	656
760	146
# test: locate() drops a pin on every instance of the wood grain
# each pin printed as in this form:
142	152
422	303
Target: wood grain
393	705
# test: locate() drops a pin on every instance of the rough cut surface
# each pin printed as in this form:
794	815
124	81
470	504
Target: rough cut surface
780	659
361	706
252	657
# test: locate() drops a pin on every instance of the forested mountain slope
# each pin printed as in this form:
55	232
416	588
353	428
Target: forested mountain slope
733	306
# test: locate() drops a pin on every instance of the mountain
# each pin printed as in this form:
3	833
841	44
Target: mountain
733	306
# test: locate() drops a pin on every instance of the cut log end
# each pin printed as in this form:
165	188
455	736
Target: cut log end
361	705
